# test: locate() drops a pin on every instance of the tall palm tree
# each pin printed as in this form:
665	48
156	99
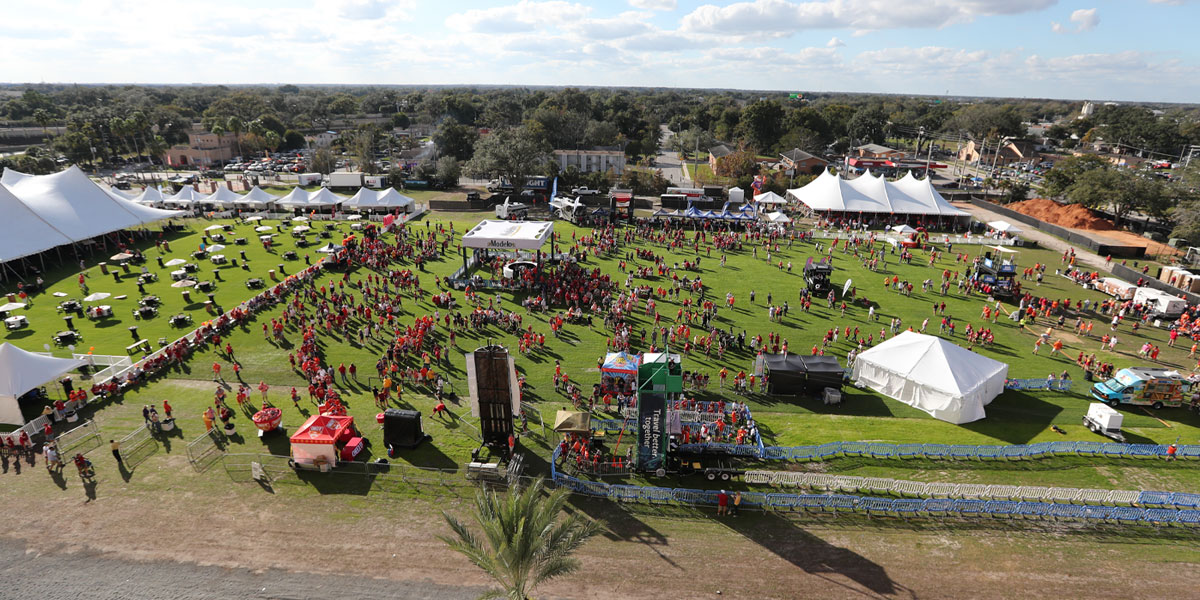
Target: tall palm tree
523	543
236	125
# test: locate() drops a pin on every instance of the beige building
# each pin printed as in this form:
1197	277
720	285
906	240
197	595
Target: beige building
600	159
202	149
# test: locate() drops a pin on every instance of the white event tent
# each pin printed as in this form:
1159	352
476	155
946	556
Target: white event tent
871	194
257	198
21	371
186	196
67	202
1004	227
926	372
368	199
508	235
151	196
223	196
770	198
300	198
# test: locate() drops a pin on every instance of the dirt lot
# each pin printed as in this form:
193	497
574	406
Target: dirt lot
230	540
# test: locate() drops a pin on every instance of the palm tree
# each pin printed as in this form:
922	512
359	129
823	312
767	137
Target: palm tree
236	125
523	544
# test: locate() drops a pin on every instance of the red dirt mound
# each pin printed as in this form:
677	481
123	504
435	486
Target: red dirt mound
1074	216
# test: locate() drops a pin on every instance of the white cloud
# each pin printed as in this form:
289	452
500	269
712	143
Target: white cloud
1085	19
653	4
835	42
783	17
522	16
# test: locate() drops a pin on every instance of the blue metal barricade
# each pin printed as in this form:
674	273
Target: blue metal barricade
1160	516
1033	510
841	502
1126	514
882	450
1113	450
963	452
776	453
658	495
1039	449
875	506
781	501
828	451
934	450
854	448
1145	450
907	507
753	499
1187	451
989	452
804	453
1062	448
1015	452
1066	511
1002	508
1095	513
1182	500
1149	498
1089	448
1189	517
937	506
969	508
909	450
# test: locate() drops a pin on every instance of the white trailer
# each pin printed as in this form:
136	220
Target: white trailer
1160	302
345	180
1104	420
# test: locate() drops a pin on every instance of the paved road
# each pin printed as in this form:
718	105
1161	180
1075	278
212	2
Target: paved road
90	575
668	161
1044	240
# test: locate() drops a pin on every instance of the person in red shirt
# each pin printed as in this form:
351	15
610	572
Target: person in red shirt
217	372
167	409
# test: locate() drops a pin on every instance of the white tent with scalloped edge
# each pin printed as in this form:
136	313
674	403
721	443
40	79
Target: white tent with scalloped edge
22	371
929	373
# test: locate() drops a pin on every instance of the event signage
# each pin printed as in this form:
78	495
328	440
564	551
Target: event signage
651	430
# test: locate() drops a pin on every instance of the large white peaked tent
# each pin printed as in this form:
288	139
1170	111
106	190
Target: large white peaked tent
258	198
22	232
300	198
75	206
21	371
926	372
151	196
223	196
367	199
186	196
870	194
508	235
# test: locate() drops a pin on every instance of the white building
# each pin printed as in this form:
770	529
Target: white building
321	140
599	159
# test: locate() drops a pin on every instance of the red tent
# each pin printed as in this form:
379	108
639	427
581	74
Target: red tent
318	438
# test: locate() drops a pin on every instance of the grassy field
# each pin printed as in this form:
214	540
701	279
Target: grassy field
1015	417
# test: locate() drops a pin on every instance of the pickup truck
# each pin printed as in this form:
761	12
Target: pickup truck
585	191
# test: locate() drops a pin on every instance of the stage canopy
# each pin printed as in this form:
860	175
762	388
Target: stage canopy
620	364
367	199
68	203
770	198
299	198
508	235
318	437
870	194
22	371
926	372
570	421
1004	227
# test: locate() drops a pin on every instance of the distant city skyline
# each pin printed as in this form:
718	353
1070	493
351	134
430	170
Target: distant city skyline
1133	50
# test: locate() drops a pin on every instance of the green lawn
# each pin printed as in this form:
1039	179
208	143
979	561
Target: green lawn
1012	418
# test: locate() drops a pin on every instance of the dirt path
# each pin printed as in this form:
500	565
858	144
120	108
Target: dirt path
1044	240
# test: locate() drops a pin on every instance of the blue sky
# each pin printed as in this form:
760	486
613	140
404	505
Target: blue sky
1101	50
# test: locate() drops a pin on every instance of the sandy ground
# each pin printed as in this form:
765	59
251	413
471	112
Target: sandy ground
218	539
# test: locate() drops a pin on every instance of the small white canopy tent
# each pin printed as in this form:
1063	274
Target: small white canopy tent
508	235
903	229
368	199
21	371
777	217
770	198
926	372
257	198
186	196
300	198
1004	227
151	196
118	194
222	197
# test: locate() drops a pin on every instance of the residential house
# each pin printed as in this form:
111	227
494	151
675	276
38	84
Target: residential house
716	153
598	159
321	140
801	162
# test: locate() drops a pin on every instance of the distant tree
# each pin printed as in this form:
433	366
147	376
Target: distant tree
323	161
237	126
737	164
1067	171
455	139
448	171
343	104
868	125
987	120
43	118
1120	192
513	154
761	123
363	145
400	121
293	140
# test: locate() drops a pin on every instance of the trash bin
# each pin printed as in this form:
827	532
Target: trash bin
104	268
125	267
187	296
271	274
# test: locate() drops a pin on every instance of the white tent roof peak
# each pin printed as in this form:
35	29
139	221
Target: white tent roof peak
508	235
873	194
22	231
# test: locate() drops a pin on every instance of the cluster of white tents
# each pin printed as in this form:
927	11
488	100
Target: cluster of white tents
41	212
259	199
873	194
